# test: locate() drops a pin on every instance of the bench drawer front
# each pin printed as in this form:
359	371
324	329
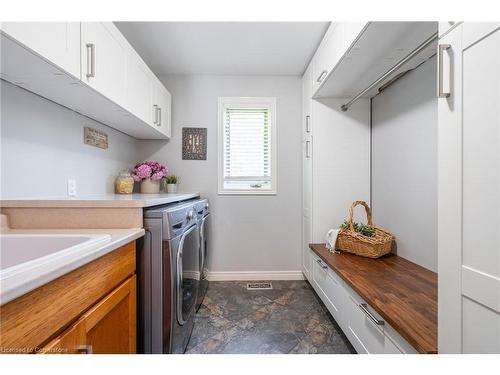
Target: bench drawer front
328	287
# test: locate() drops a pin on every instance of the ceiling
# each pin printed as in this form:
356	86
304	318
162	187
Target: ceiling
225	48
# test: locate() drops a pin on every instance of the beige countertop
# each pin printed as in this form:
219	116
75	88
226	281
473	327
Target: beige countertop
21	278
98	201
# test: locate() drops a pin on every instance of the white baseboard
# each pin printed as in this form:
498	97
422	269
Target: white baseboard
255	275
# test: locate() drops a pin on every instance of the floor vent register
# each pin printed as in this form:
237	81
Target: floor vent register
260	286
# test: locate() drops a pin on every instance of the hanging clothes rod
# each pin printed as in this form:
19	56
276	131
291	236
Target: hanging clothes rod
412	54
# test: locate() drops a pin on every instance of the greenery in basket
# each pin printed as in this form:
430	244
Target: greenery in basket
171	179
361	228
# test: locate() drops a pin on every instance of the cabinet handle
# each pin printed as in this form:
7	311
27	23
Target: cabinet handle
441	92
321	264
308	149
85	349
159	116
90	60
308	125
322	76
364	308
155	114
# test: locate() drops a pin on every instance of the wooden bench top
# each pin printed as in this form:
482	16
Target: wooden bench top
402	292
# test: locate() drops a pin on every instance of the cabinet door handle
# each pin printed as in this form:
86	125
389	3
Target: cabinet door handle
308	125
321	264
155	114
159	116
308	149
441	92
90	60
322	76
364	308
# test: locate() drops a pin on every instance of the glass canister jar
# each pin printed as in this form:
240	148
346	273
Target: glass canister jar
124	183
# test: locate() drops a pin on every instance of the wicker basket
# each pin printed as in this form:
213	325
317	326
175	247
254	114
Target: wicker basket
356	243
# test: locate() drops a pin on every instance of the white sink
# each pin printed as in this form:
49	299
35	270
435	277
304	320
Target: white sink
25	250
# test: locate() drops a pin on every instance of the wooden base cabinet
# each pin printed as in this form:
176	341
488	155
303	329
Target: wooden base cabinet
107	328
89	310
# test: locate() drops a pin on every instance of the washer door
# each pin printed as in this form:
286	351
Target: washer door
188	274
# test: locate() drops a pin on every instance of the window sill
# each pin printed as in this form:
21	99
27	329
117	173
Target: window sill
247	192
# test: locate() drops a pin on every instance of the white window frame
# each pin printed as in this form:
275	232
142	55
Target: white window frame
247	102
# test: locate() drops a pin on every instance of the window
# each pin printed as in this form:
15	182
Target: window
247	146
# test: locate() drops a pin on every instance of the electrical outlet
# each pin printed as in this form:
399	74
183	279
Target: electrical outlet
71	187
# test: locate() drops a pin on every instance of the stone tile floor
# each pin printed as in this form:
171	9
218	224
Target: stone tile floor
289	318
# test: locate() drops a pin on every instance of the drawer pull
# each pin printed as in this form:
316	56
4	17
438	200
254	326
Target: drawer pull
321	264
364	308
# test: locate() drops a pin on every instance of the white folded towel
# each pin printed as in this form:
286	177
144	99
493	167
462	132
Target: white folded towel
331	239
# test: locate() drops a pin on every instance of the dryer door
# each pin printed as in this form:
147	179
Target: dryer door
188	274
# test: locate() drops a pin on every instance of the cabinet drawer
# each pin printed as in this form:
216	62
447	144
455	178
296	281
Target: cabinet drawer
365	335
328	287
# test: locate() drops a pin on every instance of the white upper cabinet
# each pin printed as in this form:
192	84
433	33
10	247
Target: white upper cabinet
104	59
336	42
139	88
162	103
57	42
90	68
353	55
327	55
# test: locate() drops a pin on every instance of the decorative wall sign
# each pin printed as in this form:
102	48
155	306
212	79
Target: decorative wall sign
194	143
95	138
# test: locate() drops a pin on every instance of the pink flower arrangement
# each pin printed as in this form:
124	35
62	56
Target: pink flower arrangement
149	169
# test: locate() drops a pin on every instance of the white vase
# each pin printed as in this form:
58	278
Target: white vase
172	188
150	187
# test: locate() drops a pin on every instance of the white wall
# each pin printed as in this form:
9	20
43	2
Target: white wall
249	233
42	146
341	163
404	164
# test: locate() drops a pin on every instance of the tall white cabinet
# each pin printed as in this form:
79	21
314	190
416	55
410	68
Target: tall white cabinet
469	189
335	153
307	177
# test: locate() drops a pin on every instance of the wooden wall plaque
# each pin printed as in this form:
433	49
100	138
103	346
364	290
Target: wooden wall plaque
95	138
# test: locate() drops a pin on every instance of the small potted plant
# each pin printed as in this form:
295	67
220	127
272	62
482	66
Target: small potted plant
171	183
149	174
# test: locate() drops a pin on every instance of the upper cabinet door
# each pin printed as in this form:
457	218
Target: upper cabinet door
103	60
57	42
329	52
162	100
140	89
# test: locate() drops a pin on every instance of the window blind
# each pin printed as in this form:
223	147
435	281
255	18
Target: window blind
247	147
